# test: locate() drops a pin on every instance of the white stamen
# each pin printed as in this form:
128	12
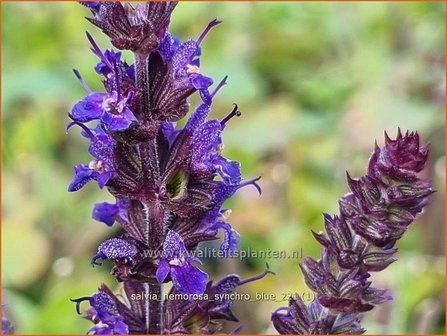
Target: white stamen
97	165
177	262
226	214
192	69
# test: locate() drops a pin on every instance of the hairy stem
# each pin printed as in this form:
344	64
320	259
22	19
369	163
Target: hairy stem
153	308
142	82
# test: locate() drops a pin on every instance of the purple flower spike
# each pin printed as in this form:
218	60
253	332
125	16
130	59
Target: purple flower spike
176	261
360	240
115	249
170	183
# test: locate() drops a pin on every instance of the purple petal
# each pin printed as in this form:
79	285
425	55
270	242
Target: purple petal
82	175
117	122
198	117
120	328
200	82
94	6
101	148
169	131
163	270
205	143
105	212
184	55
230	171
231	238
128	114
227	284
111	57
117	248
168	47
189	279
103	303
88	108
103	179
130	72
174	247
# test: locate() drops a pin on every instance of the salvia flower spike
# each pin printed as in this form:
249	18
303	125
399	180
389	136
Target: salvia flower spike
169	183
359	240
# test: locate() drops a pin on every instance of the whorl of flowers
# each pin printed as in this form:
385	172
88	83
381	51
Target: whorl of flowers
169	183
359	240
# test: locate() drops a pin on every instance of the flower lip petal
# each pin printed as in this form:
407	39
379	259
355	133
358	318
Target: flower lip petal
88	108
189	279
103	179
83	174
105	212
176	261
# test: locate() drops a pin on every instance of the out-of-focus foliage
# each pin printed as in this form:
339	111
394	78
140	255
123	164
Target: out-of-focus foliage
317	84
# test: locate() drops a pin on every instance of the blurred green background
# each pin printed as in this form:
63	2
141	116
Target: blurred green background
317	83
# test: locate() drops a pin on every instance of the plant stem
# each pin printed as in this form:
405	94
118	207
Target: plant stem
143	83
153	308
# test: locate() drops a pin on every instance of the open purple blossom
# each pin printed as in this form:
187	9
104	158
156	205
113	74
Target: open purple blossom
104	313
108	213
178	264
361	239
110	108
118	75
101	168
185	59
207	144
